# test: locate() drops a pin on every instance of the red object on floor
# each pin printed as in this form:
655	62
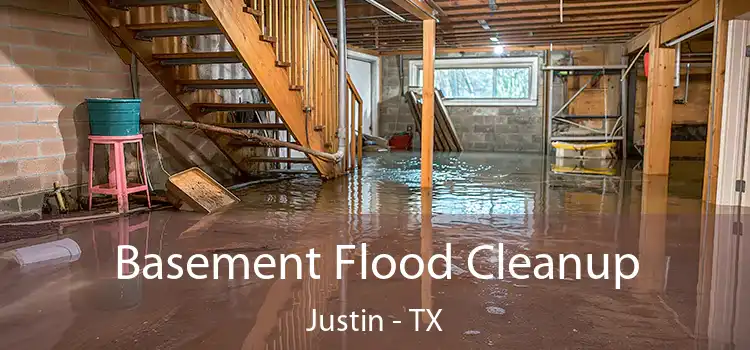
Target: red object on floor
118	183
646	59
400	141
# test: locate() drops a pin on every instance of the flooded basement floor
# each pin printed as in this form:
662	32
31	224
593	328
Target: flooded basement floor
691	291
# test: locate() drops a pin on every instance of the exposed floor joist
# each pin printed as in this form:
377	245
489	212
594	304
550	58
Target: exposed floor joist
514	22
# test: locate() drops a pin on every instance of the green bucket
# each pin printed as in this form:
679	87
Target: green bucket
114	116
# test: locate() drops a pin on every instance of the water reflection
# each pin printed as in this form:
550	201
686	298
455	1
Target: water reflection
688	294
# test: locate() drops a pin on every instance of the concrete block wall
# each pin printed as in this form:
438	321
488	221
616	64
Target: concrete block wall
480	128
52	58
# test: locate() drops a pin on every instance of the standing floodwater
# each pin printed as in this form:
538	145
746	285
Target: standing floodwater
685	295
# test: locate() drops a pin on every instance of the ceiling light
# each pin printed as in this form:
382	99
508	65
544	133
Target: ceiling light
484	24
498	50
493	39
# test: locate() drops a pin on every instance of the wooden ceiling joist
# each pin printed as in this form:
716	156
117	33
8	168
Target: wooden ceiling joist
514	22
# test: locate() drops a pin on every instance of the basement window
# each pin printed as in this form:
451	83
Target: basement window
497	81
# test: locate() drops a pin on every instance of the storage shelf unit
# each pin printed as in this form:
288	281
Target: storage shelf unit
610	70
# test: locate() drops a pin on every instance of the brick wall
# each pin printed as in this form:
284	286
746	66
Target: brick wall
52	58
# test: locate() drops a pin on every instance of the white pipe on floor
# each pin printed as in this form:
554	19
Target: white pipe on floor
64	250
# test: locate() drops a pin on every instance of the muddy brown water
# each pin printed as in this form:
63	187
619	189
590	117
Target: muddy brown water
691	291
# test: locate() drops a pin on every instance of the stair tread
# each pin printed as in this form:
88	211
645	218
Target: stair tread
279	159
218	83
147	3
172	29
234	106
214	54
187	58
172	25
258	126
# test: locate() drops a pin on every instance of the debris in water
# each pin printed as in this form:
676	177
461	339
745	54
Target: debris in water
495	310
456	270
471	332
520	285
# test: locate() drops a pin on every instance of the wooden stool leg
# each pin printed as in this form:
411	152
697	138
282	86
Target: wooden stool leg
91	172
113	180
121	176
143	168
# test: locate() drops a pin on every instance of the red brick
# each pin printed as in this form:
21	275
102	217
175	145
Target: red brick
70	96
76	10
70	25
6	94
72	60
119	81
16	76
33	94
33	57
5	59
44	8
53	77
10	133
19	185
16	36
91	44
39	166
107	64
51	40
74	161
52	113
48	180
13	151
37	131
8	170
114	93
48	22
70	130
4	18
51	148
13	114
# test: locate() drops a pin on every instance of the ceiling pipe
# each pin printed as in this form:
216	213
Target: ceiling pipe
678	56
388	11
690	35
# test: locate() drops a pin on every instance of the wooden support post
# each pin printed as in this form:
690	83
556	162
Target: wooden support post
716	115
659	102
428	100
652	237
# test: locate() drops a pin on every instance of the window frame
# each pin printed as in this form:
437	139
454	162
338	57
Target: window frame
492	62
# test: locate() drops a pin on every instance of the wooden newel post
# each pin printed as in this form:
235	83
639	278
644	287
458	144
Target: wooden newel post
428	100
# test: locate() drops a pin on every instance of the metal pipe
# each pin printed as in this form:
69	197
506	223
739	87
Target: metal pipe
388	11
343	88
677	65
690	34
687	82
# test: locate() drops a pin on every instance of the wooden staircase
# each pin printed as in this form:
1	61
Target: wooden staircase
286	86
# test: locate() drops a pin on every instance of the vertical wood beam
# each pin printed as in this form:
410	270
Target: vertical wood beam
428	100
659	102
652	234
716	115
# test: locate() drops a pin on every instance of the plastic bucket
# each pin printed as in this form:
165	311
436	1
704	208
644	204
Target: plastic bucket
114	116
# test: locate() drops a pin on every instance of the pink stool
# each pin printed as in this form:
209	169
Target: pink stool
118	183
